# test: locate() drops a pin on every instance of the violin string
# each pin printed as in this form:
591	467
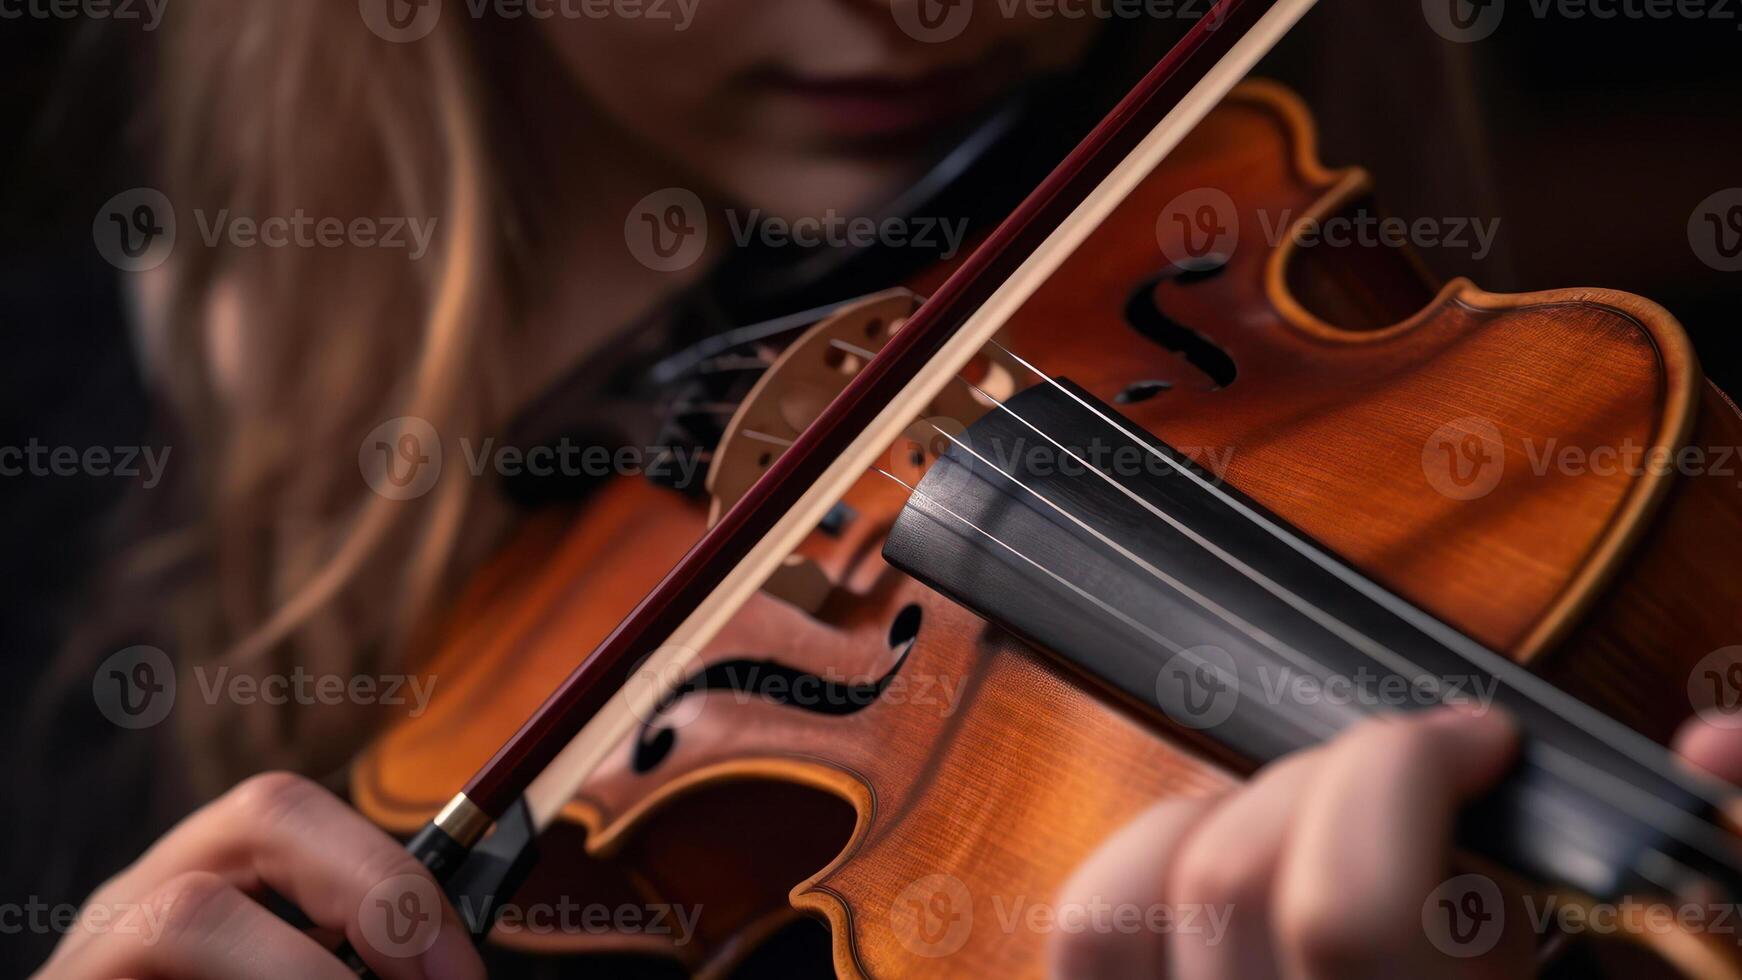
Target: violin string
1575	770
1307	663
1398	663
1173	648
765	437
1593	722
705	408
1551	758
1666	818
1716	844
1323	732
1304	662
1712	842
1349	635
730	365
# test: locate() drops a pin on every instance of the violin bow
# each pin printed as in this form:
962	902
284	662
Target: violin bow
537	771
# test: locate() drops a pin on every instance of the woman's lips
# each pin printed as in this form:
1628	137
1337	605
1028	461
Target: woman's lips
870	106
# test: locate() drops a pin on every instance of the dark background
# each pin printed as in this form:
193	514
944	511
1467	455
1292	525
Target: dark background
1592	141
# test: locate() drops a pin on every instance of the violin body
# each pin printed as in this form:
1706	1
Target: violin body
888	761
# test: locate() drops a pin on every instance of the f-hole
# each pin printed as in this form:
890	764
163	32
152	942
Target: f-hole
780	685
1198	350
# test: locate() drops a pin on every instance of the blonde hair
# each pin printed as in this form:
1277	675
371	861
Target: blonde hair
279	361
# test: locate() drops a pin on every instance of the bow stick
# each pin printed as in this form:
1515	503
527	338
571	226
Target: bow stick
643	658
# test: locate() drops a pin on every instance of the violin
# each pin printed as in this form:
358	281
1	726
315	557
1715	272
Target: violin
997	557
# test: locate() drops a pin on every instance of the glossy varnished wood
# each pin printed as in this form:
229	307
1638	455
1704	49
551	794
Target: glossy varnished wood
992	788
